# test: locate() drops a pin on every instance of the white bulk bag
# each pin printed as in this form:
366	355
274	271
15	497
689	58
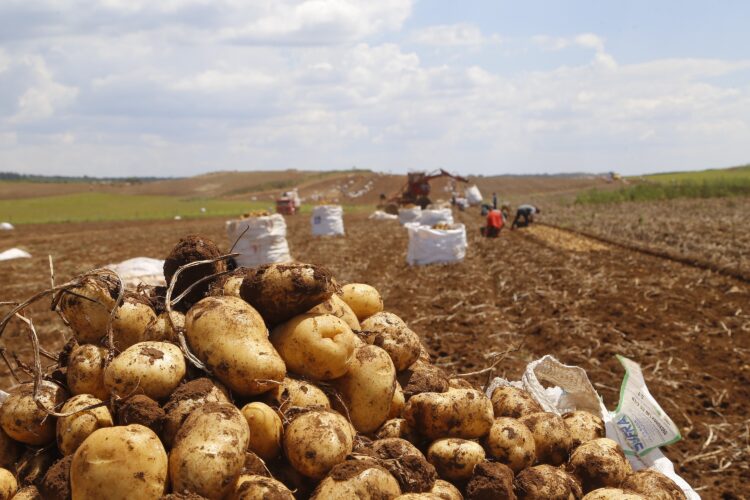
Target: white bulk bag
473	195
380	215
6	226
435	246
263	240
432	217
139	270
406	215
327	220
14	253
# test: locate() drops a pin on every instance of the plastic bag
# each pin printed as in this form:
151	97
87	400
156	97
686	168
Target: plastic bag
406	215
327	220
433	217
473	196
435	246
263	240
380	215
139	270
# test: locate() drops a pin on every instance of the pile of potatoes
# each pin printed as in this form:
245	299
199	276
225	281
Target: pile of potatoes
279	383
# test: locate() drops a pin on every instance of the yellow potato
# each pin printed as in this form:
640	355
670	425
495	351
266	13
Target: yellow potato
336	306
653	484
583	427
513	402
464	413
361	479
599	463
397	403
388	331
8	484
317	440
184	400
455	458
266	430
251	487
85	374
446	490
363	300
130	321
296	393
545	481
613	494
151	368
551	437
24	421
87	307
511	443
160	328
27	493
72	430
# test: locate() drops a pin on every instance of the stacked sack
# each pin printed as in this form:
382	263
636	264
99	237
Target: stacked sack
287	386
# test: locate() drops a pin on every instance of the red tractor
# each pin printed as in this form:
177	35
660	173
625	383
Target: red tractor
417	189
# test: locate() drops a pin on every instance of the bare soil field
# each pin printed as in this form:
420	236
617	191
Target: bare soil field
531	292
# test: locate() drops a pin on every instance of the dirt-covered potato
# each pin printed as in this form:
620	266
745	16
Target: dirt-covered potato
8	484
614	494
24	421
281	291
87	307
397	403
422	377
228	284
583	426
654	485
9	450
230	337
72	430
454	459
151	368
209	451
362	479
55	484
85	374
336	306
397	428
189	249
464	413
141	409
513	402
511	443
419	496
367	388
253	487
266	430
551	437
364	300
296	393
184	400
119	463
28	493
320	347
490	480
160	328
317	440
545	482
132	317
599	463
406	463
459	383
389	332
446	490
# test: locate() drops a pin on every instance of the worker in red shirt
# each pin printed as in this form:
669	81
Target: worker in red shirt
495	223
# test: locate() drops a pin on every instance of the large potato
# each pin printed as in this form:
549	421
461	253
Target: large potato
368	387
363	300
491	480
265	430
599	463
184	400
513	402
511	443
85	374
317	440
653	484
24	421
296	393
131	319
87	307
614	494
72	430
317	346
388	331
405	462
8	484
545	482
281	291
151	368
464	413
583	427
551	437
119	463
209	451
229	336
454	459
336	306
252	487
362	479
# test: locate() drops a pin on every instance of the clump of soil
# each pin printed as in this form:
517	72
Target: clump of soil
406	463
56	482
189	249
421	377
141	410
490	481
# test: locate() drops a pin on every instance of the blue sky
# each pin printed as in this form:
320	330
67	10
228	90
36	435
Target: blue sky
181	87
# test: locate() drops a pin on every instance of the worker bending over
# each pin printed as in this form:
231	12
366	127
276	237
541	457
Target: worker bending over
495	222
526	212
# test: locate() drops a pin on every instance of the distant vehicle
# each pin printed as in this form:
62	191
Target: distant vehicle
285	206
417	189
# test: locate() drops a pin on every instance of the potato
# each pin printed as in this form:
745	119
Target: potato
24	421
209	451
9	450
513	402
160	328
229	336
550	435
317	440
653	484
184	400
336	306
72	430
55	484
131	319
419	496
85	374
459	383
490	480
397	403
363	300
87	307
397	428
545	482
455	458
422	377
265	430
367	388
464	413
317	346
583	426
511	443
192	248
446	490
28	493
388	331
599	463
252	487
282	291
151	368
119	463
362	479
8	484
296	393
228	284
613	494
405	462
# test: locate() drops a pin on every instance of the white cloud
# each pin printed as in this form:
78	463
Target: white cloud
453	35
44	96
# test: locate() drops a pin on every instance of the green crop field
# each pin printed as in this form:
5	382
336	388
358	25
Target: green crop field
727	174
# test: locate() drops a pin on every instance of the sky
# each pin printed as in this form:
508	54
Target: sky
183	87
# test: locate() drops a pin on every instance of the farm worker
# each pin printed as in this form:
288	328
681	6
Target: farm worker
494	201
527	212
495	223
